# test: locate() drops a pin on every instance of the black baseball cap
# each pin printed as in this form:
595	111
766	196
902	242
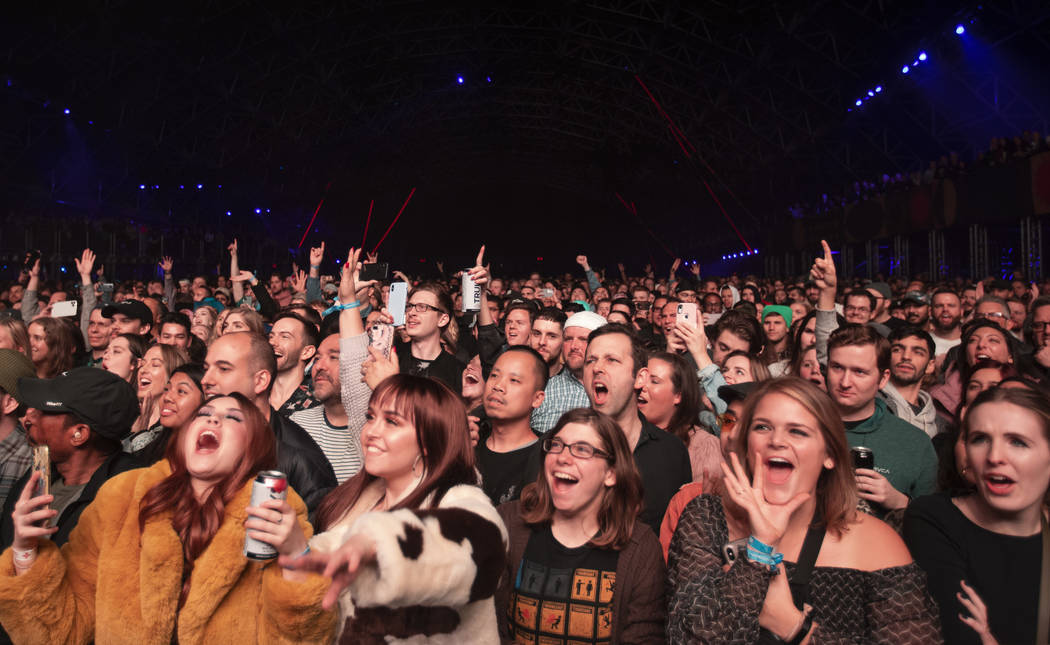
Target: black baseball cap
103	400
135	309
917	297
737	392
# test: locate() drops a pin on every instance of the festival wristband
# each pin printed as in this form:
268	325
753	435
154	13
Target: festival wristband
338	307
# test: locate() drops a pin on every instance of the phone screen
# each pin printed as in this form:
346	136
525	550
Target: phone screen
396	302
64	309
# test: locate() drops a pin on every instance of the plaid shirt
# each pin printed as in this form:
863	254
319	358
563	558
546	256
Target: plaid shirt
15	459
563	393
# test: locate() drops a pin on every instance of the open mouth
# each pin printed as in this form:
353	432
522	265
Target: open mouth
778	470
601	393
471	379
563	482
999	484
207	442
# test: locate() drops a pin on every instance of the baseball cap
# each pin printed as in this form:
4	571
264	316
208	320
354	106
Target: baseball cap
882	289
13	366
135	309
916	296
737	392
103	400
586	319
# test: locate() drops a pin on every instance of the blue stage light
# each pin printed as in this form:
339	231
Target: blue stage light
870	93
858	102
258	211
200	186
960	30
228	213
488	79
65	111
142	186
905	69
878	89
459	79
922	55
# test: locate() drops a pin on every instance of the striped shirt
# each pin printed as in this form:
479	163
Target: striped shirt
340	444
563	393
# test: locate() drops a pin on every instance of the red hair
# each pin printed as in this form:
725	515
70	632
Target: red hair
197	522
442	436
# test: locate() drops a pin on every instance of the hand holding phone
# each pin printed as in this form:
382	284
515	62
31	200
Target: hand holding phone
64	309
381	337
687	314
397	301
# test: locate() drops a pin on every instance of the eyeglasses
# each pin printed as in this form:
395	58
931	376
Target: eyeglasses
990	314
1040	326
859	310
580	449
422	308
726	421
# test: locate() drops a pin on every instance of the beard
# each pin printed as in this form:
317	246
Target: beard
906	378
939	328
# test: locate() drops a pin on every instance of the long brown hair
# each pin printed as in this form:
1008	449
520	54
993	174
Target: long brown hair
19	333
197	522
61	347
836	487
441	434
683	383
620	503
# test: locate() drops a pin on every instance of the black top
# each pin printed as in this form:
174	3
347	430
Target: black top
299	457
504	474
563	595
445	368
663	462
1003	569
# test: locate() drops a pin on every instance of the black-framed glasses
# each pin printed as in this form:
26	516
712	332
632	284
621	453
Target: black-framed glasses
1040	326
422	308
580	449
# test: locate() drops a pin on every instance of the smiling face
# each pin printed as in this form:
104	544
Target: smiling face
472	387
988	342
785	439
577	484
98	330
152	376
1008	451
389	440
181	399
657	399
37	343
215	441
737	369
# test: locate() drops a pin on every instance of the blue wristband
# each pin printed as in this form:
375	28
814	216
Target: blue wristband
758	545
338	307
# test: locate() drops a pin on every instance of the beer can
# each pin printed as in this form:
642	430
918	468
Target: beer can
471	293
268	484
862	457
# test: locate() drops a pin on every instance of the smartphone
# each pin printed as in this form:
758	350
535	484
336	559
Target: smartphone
381	336
42	465
374	271
107	287
687	313
64	309
546	293
735	550
31	258
396	302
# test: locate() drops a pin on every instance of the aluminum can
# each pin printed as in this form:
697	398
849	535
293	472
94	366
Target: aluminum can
471	293
268	484
862	457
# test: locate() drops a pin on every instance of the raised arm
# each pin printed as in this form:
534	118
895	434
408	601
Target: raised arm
824	274
85	263
235	270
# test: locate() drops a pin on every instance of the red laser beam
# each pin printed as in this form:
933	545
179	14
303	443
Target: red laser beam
728	219
631	208
365	236
407	199
316	211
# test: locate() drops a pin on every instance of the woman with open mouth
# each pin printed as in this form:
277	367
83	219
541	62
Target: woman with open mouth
984	549
151	378
158	555
800	563
581	564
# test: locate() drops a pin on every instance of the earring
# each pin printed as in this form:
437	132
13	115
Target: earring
415	463
76	435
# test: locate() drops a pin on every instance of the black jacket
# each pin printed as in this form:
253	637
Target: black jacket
116	464
300	458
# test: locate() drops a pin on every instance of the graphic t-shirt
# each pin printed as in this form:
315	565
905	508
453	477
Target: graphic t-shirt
562	596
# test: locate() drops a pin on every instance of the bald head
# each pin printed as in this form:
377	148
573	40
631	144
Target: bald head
240	362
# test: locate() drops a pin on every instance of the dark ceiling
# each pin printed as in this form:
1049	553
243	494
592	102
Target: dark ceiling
360	101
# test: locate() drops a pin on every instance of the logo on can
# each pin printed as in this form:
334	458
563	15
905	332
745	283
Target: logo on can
471	293
268	484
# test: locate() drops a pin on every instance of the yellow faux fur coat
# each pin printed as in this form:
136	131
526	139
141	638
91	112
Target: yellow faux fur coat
112	583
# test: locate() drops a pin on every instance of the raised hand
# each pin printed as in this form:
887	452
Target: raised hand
768	521
166	263
242	276
378	367
316	255
582	261
694	268
85	263
823	271
674	266
371	258
232	247
402	277
479	273
299	282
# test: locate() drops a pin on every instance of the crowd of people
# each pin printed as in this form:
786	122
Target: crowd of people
536	459
1001	151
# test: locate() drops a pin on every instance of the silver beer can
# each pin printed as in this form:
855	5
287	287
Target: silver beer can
471	293
268	484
